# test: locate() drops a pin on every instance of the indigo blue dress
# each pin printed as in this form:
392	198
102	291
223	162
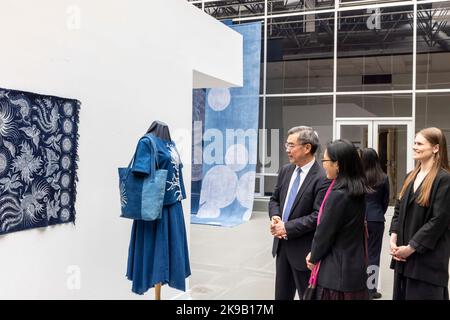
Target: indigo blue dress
158	251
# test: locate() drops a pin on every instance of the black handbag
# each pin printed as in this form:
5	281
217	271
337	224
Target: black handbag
310	293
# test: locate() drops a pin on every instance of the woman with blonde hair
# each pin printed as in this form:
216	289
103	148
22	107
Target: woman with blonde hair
420	234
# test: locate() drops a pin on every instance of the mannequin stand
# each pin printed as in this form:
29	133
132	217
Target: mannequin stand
158	291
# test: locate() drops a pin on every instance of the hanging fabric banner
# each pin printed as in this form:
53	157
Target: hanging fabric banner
38	160
230	142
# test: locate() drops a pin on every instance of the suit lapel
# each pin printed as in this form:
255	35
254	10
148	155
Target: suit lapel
410	195
305	184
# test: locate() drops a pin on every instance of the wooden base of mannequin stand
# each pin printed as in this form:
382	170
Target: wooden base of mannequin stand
158	291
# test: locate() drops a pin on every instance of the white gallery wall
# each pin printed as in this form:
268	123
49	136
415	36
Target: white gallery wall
129	63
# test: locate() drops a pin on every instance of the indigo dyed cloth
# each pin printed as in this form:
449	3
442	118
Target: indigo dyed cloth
158	250
198	125
230	146
38	160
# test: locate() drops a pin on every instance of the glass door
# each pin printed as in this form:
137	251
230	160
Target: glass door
357	132
392	139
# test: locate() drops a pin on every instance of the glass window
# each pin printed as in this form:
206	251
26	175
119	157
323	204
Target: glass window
196	3
433	110
300	54
283	6
287	112
269	185
375	49
347	3
235	9
358	134
433	45
375	105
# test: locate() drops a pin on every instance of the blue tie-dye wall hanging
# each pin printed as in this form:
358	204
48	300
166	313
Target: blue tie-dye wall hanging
230	142
38	160
198	128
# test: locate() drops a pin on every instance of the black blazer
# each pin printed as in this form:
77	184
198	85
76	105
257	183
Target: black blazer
427	228
303	218
377	202
339	243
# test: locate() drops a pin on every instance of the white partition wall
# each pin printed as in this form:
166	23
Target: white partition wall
129	63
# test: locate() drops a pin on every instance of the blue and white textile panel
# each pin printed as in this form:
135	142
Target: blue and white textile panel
230	142
38	160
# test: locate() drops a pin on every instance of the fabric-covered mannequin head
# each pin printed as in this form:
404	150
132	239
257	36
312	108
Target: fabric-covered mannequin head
160	130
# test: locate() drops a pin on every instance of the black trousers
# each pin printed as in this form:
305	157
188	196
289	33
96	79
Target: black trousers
411	289
374	243
288	279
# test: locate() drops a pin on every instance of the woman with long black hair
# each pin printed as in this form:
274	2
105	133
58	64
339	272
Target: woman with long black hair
420	233
338	253
376	206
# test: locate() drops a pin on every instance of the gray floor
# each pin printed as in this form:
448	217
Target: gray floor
236	263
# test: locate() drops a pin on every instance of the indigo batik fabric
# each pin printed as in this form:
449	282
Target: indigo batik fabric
38	160
231	123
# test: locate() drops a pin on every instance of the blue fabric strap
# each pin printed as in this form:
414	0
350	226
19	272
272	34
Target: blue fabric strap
153	164
292	195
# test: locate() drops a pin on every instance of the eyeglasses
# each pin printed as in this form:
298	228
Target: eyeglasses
325	160
290	146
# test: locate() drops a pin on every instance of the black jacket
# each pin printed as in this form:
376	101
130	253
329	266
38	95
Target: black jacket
303	218
339	243
427	229
377	202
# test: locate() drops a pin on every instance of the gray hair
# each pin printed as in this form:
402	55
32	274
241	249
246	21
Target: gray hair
306	135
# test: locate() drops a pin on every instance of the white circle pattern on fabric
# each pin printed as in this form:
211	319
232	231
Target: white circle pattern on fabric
66	144
65	198
246	183
65	162
65	214
236	157
219	187
219	98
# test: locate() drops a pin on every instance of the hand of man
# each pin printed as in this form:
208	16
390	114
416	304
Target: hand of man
273	222
277	227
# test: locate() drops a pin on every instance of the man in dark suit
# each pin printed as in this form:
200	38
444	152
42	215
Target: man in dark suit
293	209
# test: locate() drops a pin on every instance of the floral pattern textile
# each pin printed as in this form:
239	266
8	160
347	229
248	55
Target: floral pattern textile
38	160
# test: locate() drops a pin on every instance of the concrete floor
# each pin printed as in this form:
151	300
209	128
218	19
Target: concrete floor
236	263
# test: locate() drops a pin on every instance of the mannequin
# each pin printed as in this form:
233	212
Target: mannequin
159	129
158	251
